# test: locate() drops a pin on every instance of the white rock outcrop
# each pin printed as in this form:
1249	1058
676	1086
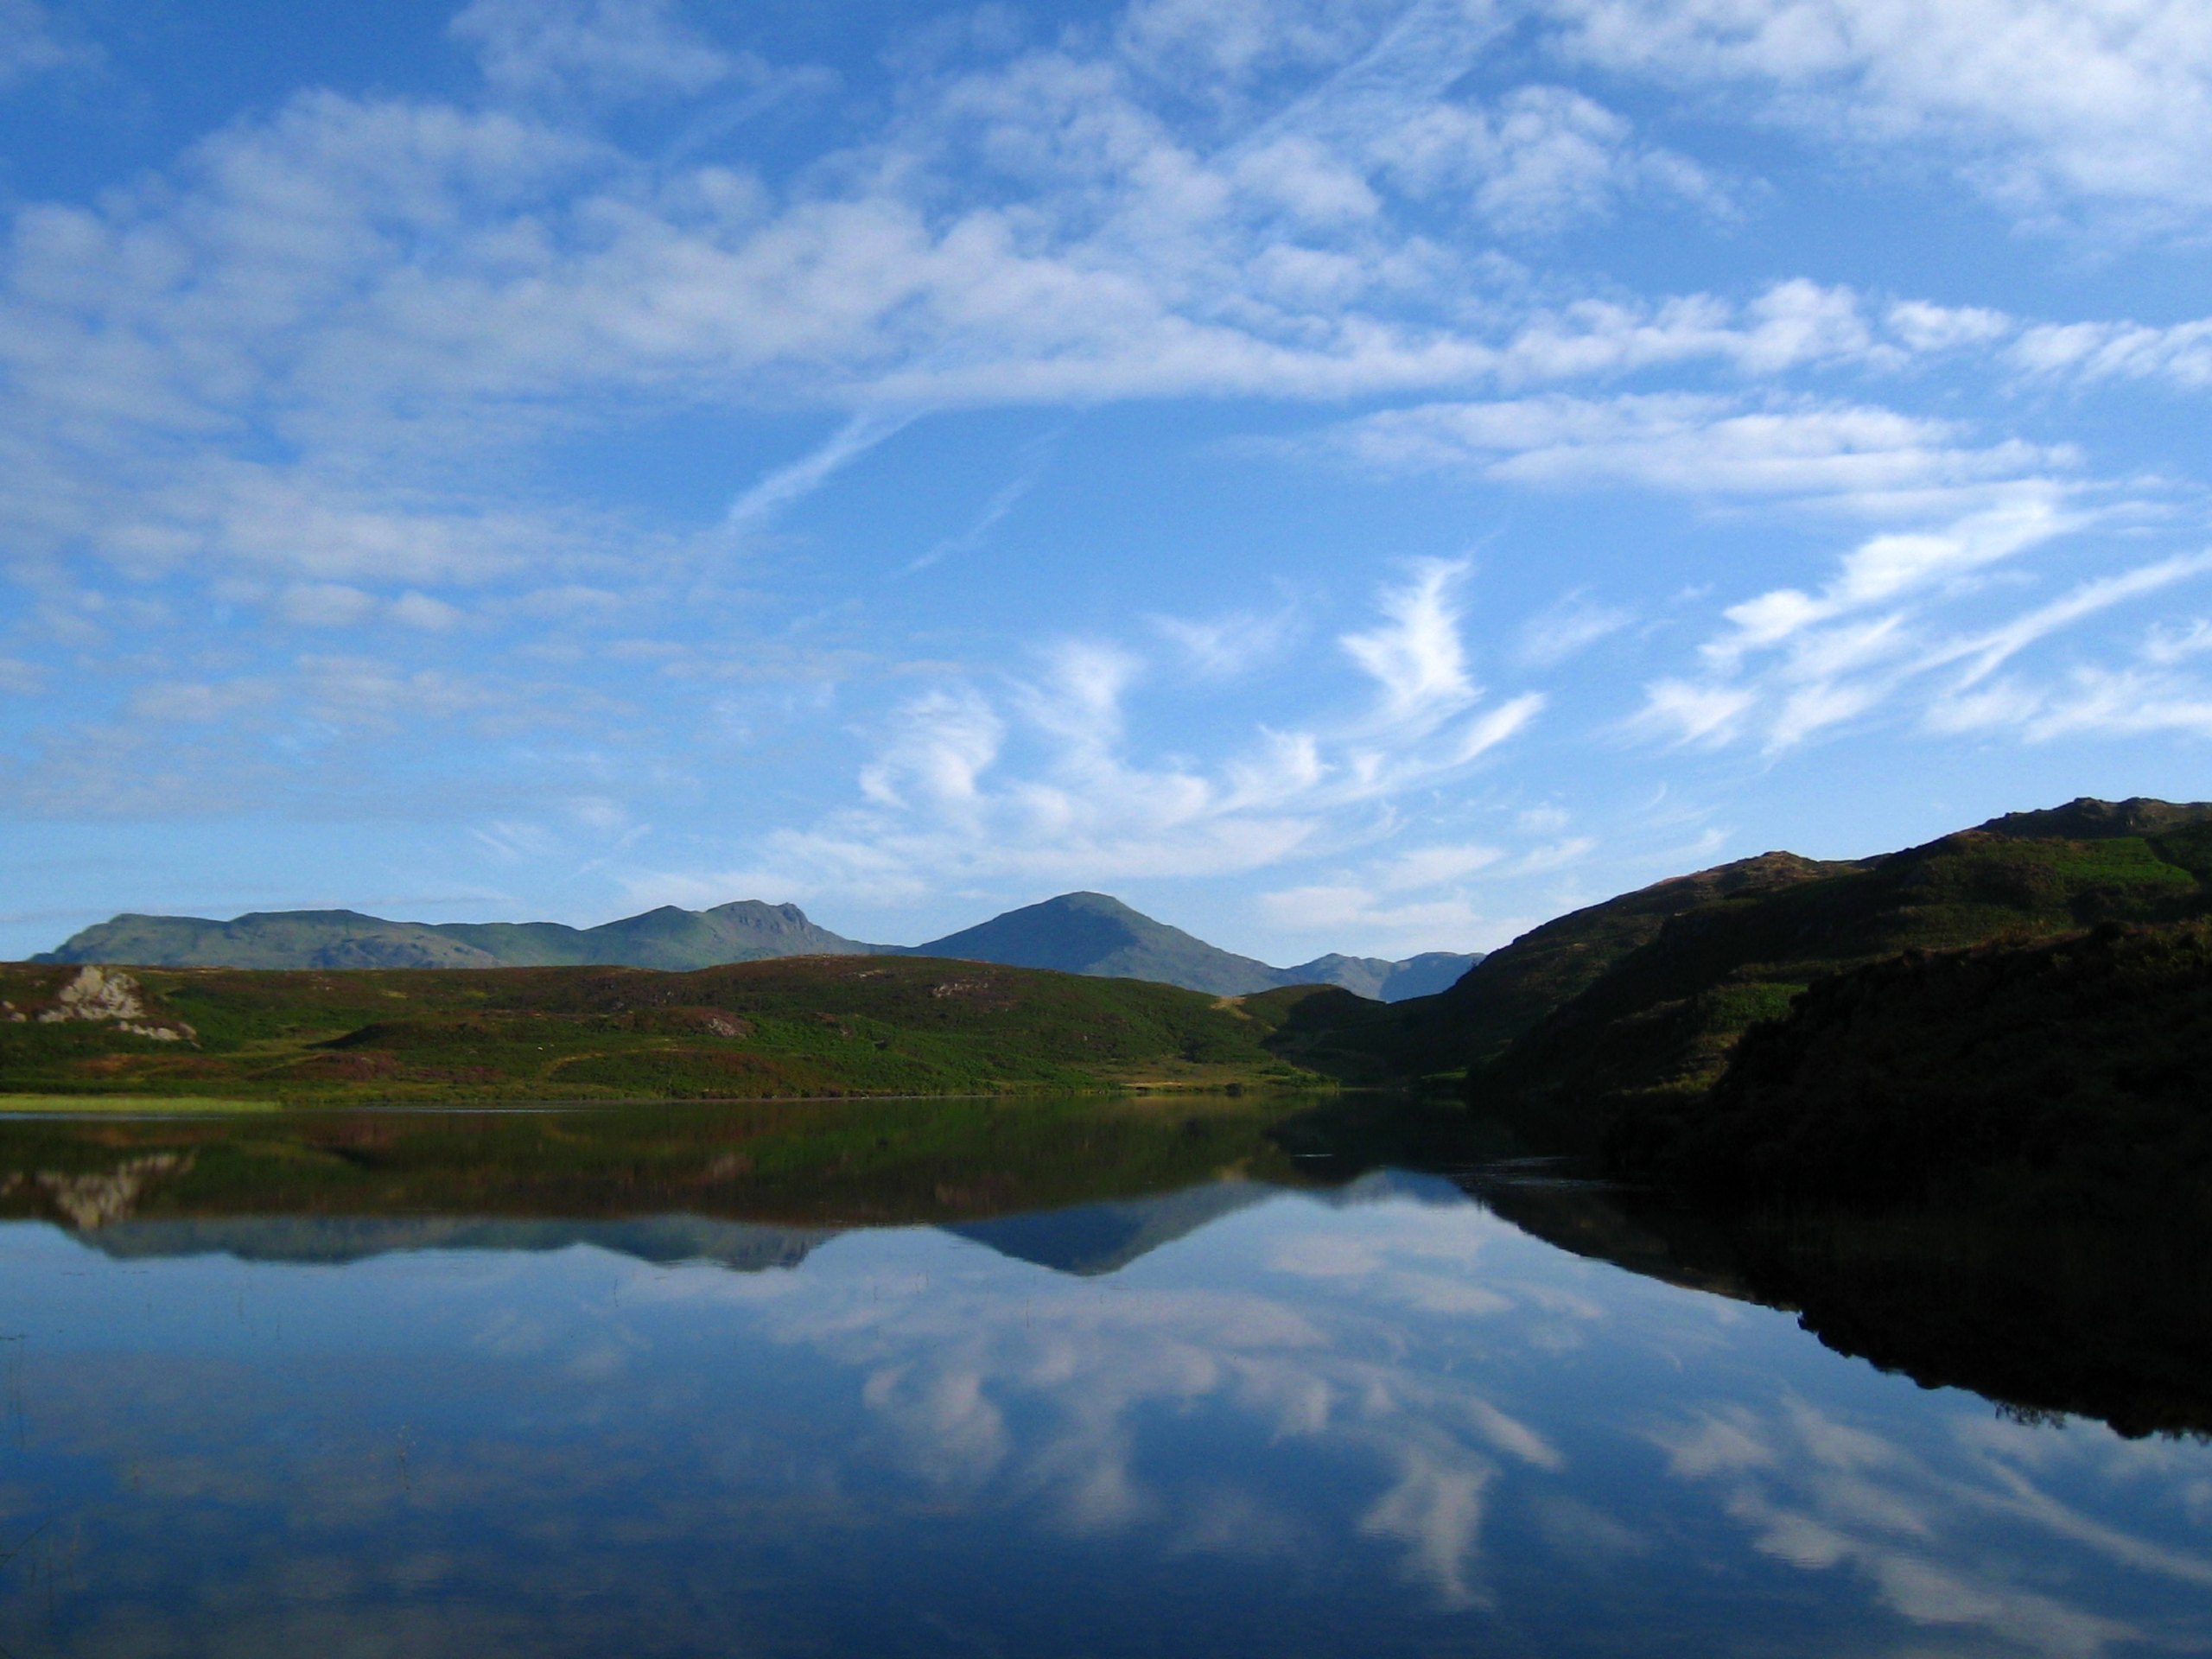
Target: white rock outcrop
106	994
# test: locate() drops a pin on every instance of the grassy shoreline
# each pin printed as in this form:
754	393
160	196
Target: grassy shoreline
142	1105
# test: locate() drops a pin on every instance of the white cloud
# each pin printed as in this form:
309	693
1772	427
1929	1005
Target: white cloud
543	48
1209	47
405	297
1417	656
1926	327
1042	781
34	42
2118	351
1540	158
1570	626
2153	694
1003	502
1870	460
1226	647
1791	663
790	484
940	744
2038	101
1889	566
338	605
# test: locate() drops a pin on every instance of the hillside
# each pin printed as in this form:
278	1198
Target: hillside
1632	1004
810	1026
1475	1020
1981	1076
1077	933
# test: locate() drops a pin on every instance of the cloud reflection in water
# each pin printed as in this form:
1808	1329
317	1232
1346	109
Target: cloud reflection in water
1310	1426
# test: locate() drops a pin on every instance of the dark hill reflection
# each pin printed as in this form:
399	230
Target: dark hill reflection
1198	1376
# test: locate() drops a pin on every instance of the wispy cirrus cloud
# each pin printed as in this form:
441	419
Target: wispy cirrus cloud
1871	461
1792	664
1044	777
2046	105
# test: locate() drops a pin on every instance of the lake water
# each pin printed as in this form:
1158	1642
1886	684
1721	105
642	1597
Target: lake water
1139	1381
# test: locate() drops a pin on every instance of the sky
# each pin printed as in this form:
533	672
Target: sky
1338	476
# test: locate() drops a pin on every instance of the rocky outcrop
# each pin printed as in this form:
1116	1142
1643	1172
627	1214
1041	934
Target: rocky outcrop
103	993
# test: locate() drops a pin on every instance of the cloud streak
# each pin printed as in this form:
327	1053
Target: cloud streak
1041	778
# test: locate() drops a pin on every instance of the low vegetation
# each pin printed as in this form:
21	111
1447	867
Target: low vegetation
794	1026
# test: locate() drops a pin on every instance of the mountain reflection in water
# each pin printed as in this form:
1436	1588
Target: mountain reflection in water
1041	1377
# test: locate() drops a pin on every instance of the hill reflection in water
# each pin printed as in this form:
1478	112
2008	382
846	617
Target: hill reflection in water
1215	1376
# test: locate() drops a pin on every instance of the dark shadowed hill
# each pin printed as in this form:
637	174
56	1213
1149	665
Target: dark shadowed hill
1641	999
1662	1018
1973	1076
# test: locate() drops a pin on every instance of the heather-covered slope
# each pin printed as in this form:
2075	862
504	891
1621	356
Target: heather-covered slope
1512	990
811	1026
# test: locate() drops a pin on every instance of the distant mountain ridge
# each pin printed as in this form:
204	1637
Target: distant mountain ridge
668	938
1078	933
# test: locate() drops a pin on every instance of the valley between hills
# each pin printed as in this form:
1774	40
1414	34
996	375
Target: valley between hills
2018	1013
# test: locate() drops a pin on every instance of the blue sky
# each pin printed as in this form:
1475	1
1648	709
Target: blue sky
1341	476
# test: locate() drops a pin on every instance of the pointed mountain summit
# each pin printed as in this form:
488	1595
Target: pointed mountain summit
1095	933
1092	933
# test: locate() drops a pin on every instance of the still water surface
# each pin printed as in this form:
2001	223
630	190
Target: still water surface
1249	1411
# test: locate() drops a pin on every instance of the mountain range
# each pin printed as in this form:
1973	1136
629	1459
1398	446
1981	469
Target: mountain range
1078	933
